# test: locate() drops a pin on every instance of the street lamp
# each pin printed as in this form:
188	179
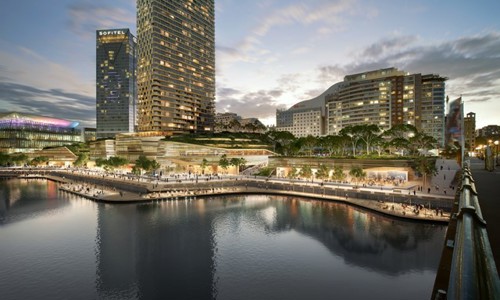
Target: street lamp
496	152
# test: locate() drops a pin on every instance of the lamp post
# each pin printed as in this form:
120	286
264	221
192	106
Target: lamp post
496	152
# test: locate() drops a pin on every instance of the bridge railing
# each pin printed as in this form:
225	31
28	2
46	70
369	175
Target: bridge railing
473	272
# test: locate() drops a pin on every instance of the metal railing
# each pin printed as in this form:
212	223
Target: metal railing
473	272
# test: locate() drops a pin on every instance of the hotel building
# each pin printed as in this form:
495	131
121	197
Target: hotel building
116	84
27	133
306	117
176	66
384	97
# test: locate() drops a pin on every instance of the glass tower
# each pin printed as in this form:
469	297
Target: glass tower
176	66
116	83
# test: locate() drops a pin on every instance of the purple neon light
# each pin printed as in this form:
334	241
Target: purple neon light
27	119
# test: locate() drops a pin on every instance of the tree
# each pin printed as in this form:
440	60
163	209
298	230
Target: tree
20	159
424	166
146	164
354	134
368	133
306	172
204	164
116	161
224	162
422	142
4	159
334	144
399	135
293	173
357	173
379	144
281	141
82	159
338	173
307	144
323	172
112	162
237	162
39	160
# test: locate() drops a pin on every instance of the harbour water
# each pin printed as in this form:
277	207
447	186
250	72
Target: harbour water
54	245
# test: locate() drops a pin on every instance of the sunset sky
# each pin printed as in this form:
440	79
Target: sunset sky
269	54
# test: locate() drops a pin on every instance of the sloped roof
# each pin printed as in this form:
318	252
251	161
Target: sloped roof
20	118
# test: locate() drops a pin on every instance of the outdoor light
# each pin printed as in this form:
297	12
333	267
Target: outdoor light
496	152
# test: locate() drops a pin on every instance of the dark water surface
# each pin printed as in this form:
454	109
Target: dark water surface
58	246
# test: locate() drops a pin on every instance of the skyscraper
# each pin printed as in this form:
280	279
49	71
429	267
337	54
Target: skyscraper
176	66
116	84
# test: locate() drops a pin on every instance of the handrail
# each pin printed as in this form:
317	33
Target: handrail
473	271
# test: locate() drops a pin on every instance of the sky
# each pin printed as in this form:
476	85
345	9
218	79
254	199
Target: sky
269	53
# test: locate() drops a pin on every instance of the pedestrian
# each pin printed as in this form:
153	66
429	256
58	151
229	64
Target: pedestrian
414	192
428	190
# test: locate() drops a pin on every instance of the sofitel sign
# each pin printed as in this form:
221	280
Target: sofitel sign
111	32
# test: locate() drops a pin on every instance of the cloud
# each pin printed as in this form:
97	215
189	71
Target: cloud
85	18
330	15
260	104
386	45
52	102
471	63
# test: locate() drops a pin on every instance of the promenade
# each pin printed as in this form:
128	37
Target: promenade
407	200
424	210
488	188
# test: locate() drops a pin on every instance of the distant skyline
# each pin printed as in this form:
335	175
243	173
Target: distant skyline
269	54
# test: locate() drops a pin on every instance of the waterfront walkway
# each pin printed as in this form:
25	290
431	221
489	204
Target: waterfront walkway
407	200
488	188
192	190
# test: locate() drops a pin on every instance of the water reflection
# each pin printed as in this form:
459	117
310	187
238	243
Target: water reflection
238	247
28	198
164	249
193	249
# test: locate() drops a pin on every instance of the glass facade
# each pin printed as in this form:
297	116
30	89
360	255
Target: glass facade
27	133
176	66
116	84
